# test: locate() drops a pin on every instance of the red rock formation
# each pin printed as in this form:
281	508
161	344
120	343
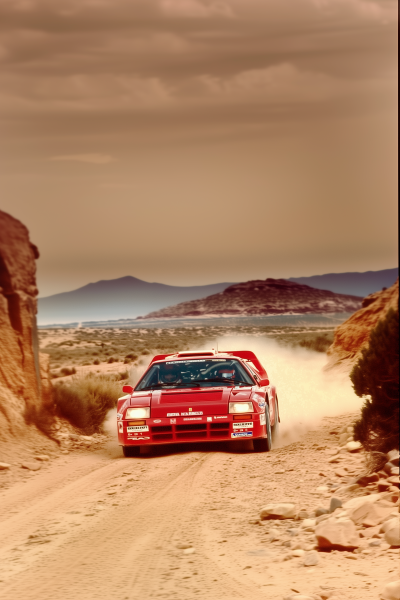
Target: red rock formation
21	391
353	335
269	297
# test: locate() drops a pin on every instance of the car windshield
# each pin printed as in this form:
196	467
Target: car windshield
195	373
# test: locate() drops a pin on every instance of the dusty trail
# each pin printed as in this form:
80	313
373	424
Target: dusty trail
93	526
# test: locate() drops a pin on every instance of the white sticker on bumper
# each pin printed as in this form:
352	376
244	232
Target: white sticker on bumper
238	434
263	420
138	428
248	425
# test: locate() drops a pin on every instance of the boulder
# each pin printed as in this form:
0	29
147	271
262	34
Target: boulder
334	504
4	466
371	514
31	466
311	559
281	510
364	480
393	457
391	591
337	535
392	532
394	480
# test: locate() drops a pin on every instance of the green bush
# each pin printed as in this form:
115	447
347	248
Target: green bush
376	378
85	401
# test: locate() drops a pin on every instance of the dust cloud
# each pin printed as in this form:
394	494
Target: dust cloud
306	393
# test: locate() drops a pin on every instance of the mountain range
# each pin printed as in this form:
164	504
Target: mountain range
126	297
129	297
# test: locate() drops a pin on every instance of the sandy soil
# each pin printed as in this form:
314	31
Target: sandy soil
180	523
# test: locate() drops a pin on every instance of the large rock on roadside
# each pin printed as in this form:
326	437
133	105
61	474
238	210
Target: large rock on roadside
281	510
392	532
337	535
391	591
24	380
370	514
353	335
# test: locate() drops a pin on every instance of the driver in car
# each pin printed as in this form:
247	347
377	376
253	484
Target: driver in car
170	374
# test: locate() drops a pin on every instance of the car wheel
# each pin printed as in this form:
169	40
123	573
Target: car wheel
275	428
264	444
130	451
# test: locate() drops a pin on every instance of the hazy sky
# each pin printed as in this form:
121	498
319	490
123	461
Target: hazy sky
197	141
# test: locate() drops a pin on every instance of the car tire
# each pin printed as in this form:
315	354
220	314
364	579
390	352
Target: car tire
275	428
130	451
264	444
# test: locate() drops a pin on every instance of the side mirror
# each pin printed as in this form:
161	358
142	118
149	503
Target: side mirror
264	382
128	389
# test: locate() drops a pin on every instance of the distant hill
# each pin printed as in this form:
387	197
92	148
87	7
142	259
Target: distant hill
269	297
126	297
358	284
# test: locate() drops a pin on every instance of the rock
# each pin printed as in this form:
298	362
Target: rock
389	466
4	466
371	514
334	504
25	391
183	546
308	524
371	531
391	591
31	466
302	514
189	551
274	535
293	532
353	335
394	471
354	503
375	542
311	559
366	479
42	457
383	485
392	532
322	518
353	446
393	457
394	480
298	553
341	473
339	535
321	511
321	489
283	510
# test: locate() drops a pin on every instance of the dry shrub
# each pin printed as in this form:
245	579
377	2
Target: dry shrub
85	401
320	343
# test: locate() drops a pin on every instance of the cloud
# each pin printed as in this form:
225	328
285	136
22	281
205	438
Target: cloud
95	159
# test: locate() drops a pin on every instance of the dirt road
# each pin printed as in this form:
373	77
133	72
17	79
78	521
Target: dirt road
177	525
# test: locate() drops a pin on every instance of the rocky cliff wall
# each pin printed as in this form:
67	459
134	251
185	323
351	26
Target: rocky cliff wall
24	381
353	335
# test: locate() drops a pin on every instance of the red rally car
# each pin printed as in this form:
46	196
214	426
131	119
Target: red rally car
199	397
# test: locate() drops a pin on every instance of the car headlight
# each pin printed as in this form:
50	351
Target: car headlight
241	407
138	413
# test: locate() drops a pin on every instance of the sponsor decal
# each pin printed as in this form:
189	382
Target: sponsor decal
221	417
157	421
172	421
248	425
188	414
194	419
172	414
121	427
209	418
238	434
138	428
190	409
137	439
261	404
119	416
263	419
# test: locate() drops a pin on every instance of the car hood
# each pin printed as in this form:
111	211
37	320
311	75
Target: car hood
207	401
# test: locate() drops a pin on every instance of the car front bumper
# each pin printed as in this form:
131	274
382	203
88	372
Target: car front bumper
180	430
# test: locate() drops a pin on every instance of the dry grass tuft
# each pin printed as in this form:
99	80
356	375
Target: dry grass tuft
85	401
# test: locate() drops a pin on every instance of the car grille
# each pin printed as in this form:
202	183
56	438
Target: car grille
189	431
